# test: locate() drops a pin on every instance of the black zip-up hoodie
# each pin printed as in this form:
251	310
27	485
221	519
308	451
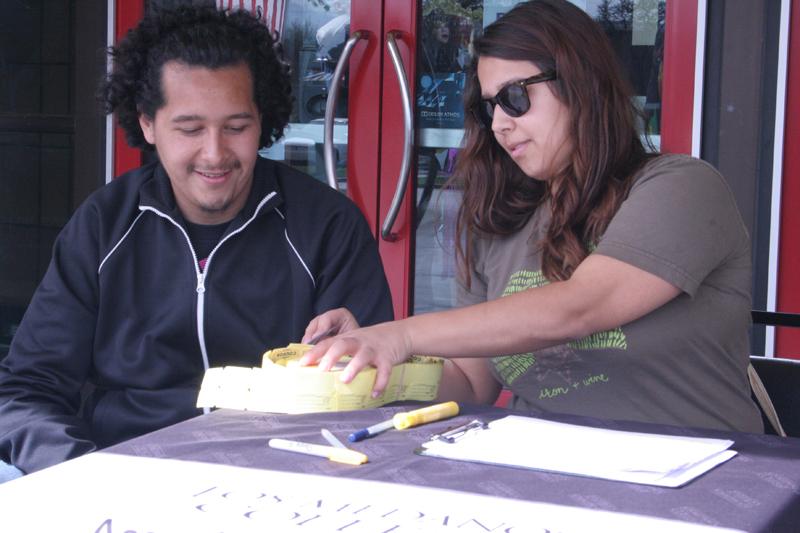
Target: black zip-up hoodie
125	307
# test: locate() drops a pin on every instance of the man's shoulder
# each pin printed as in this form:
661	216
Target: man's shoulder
124	187
311	208
302	191
115	204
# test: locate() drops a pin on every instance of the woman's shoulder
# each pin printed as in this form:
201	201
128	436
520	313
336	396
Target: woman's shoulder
682	172
685	185
676	164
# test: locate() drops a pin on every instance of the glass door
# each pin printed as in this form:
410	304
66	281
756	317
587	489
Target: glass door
313	35
334	49
446	31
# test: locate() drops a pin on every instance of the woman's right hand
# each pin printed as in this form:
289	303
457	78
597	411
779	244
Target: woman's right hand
382	346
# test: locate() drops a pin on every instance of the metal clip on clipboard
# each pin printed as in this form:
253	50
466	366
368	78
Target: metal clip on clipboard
453	434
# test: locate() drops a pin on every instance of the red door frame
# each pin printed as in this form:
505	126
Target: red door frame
677	87
400	16
364	119
787	343
127	15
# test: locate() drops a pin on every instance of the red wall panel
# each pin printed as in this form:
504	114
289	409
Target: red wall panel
128	14
788	339
677	87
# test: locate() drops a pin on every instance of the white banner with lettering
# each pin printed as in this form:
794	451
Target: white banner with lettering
109	493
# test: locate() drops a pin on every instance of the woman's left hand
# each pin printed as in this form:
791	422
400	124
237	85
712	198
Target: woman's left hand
382	346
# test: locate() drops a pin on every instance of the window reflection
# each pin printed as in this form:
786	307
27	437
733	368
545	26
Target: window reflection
313	38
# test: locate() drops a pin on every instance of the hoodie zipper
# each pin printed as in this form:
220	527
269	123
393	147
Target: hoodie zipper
201	274
200	288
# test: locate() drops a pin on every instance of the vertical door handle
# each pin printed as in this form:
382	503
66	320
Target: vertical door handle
408	137
330	105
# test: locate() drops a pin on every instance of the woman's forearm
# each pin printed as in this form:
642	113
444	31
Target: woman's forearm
602	294
519	323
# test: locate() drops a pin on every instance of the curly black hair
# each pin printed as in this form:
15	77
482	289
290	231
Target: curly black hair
197	36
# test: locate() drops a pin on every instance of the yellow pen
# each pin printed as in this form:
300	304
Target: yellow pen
432	413
339	455
424	415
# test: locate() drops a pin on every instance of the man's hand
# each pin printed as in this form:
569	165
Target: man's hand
328	324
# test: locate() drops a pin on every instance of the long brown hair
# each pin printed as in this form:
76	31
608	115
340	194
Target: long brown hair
498	198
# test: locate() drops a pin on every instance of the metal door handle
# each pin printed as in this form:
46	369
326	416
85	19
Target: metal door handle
408	137
330	105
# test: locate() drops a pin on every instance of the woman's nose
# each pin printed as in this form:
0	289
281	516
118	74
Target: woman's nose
501	122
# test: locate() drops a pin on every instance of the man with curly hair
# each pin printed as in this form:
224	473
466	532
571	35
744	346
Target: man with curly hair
205	258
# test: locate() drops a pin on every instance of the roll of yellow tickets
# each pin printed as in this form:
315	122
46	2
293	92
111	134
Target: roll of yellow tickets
282	386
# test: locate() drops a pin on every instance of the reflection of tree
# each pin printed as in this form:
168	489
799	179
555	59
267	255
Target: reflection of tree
324	4
471	9
618	14
642	62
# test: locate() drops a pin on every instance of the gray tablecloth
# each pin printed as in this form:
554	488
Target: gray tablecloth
758	490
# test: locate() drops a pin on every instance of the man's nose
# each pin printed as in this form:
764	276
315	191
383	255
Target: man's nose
214	147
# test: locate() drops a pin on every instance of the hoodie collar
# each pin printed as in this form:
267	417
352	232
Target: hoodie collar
157	193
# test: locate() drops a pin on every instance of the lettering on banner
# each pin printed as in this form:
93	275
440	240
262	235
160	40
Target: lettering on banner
253	509
334	514
107	527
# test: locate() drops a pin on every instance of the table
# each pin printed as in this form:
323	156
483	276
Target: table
758	490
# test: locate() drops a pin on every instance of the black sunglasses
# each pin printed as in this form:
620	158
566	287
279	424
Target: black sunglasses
513	98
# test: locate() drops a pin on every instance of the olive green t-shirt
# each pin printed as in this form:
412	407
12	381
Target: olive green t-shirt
682	364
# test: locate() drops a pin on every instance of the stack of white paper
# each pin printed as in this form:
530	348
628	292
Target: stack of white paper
664	460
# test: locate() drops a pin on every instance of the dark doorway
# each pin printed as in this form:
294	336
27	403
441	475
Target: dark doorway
52	135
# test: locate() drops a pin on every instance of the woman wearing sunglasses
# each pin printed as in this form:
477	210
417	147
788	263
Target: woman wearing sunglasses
597	279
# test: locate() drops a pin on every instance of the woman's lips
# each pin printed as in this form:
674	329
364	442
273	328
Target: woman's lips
515	150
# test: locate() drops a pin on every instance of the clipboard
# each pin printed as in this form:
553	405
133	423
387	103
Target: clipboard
536	444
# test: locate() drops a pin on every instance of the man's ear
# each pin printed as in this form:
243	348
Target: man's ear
146	123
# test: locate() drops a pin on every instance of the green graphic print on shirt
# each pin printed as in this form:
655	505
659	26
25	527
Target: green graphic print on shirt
510	367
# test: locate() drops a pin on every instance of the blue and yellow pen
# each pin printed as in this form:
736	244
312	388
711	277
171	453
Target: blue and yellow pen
431	413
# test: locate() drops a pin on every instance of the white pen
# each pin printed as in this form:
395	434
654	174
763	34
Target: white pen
333	453
371	431
331	438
